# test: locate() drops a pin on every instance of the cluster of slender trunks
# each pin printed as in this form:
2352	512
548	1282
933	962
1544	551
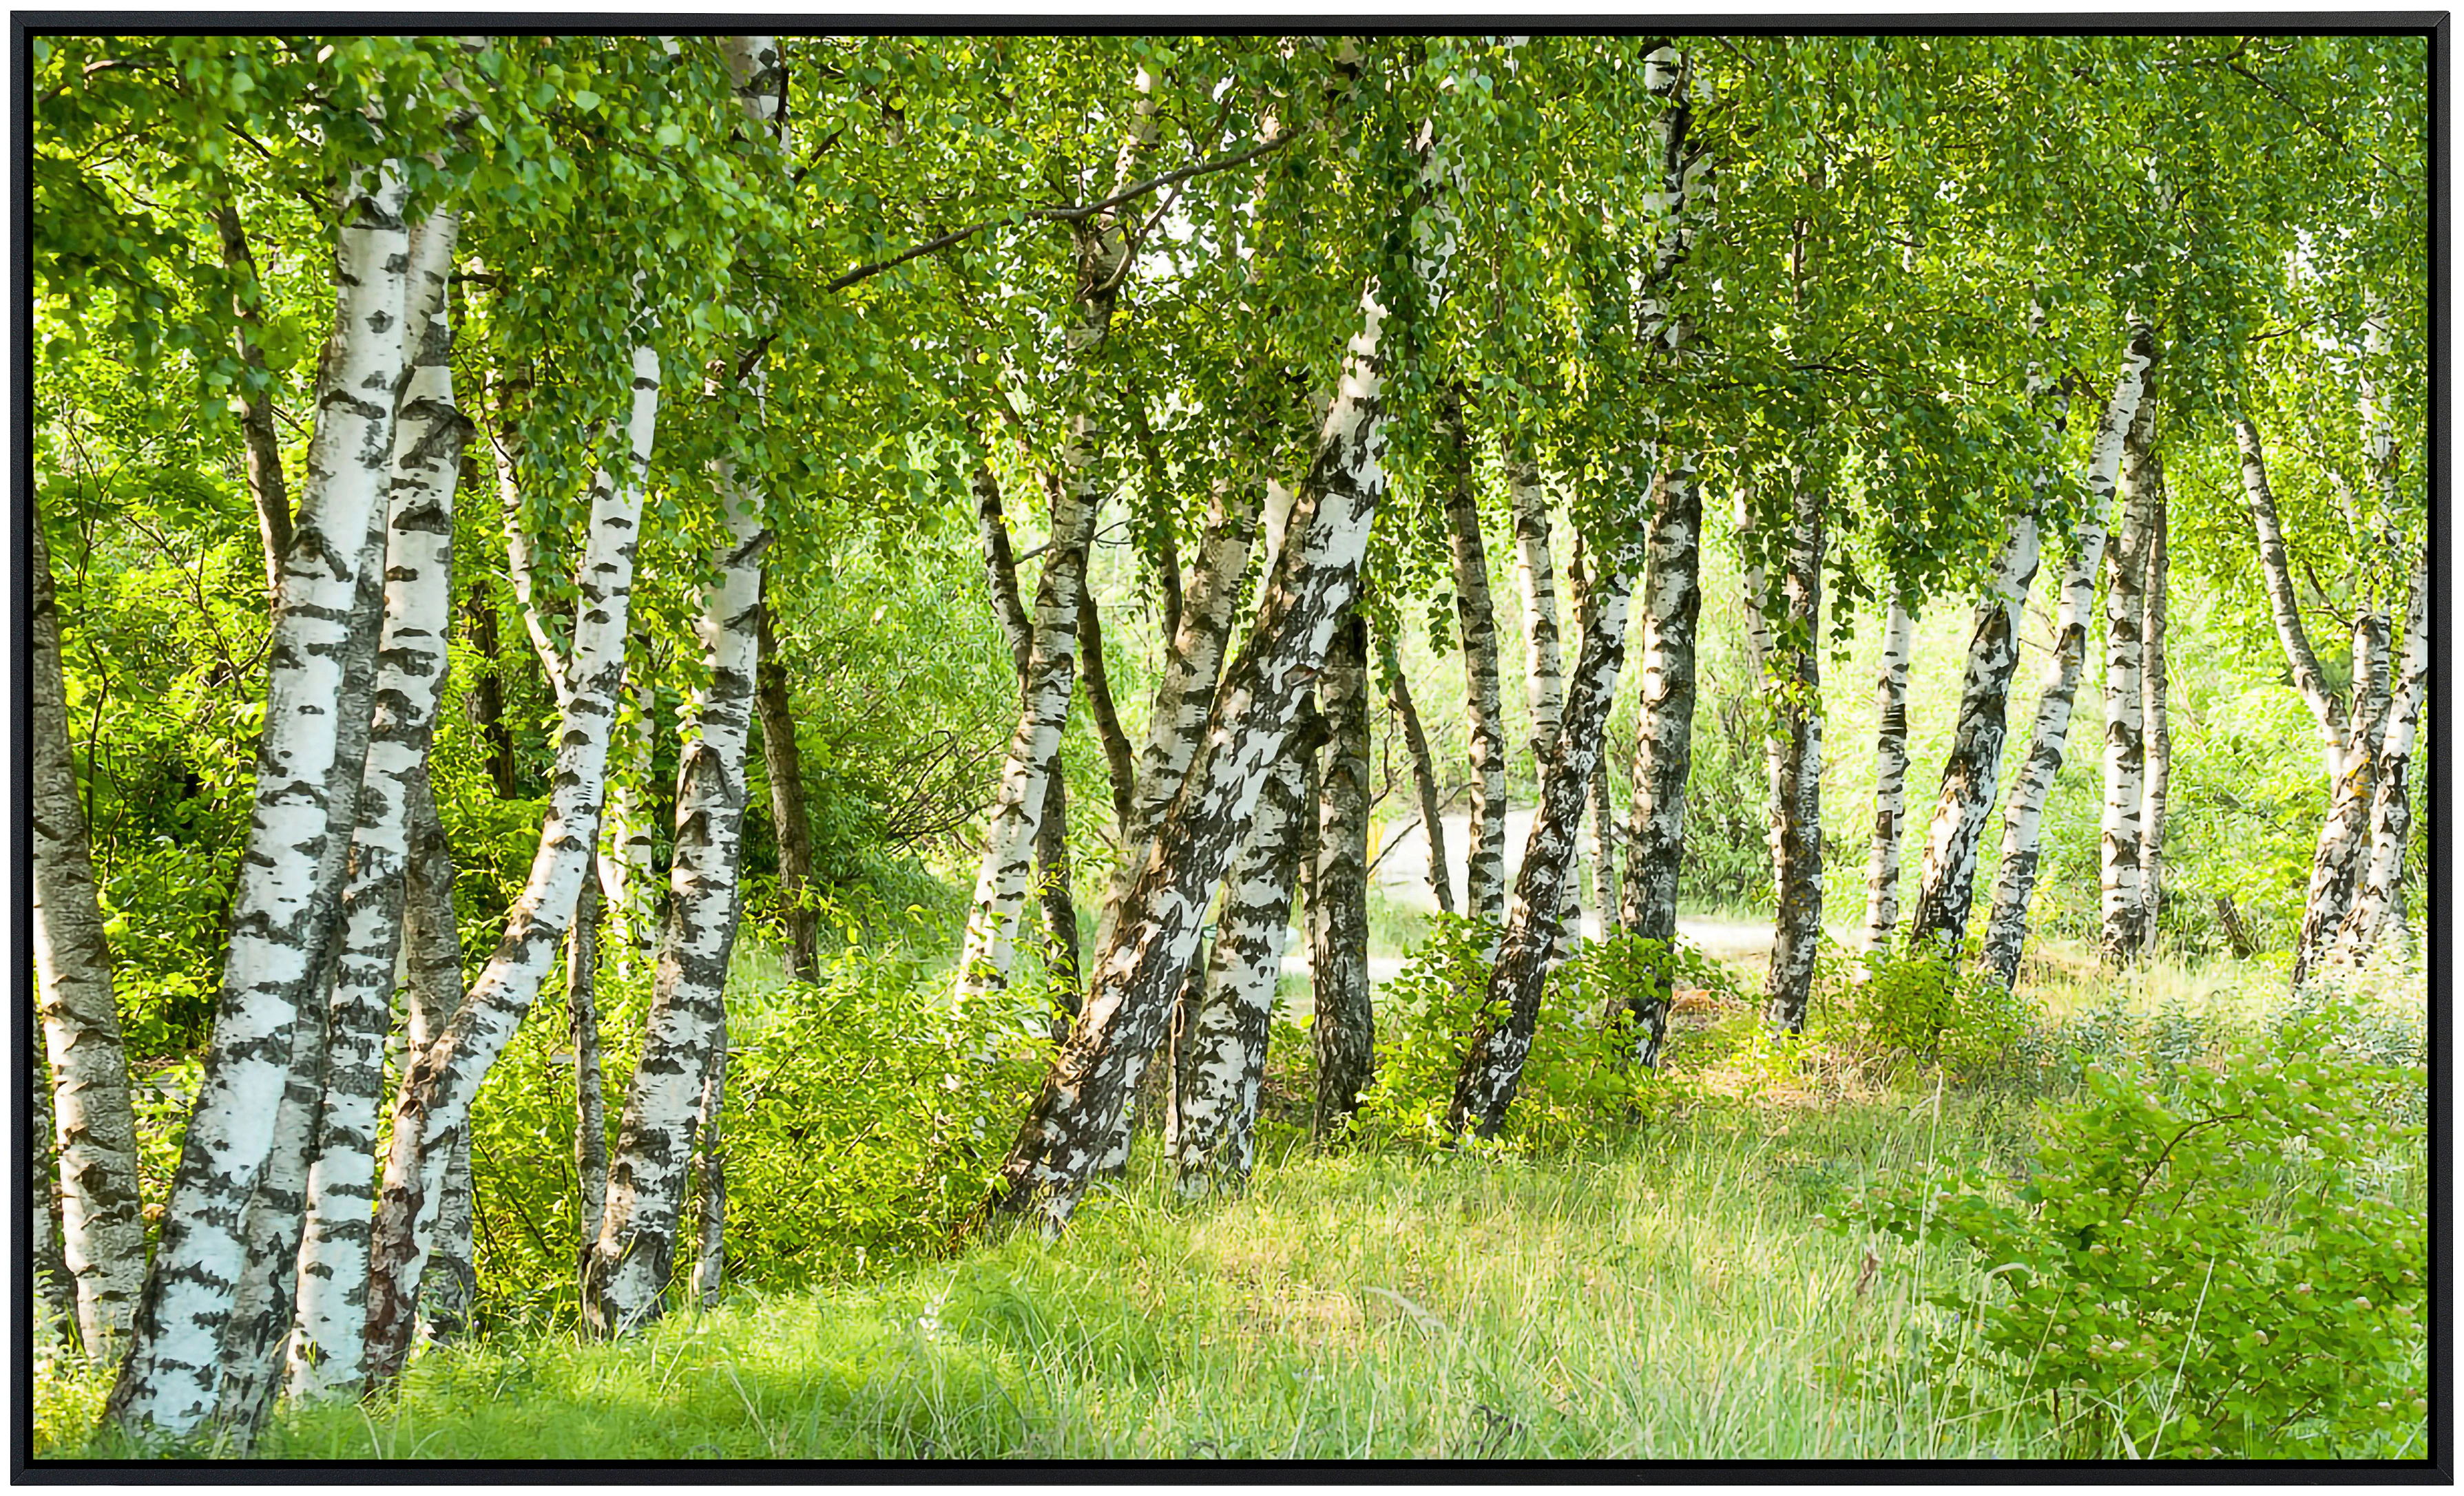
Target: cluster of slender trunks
294	1257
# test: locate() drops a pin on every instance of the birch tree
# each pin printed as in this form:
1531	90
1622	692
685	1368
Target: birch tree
2125	754
1890	780
92	1124
2006	927
173	1380
1343	1027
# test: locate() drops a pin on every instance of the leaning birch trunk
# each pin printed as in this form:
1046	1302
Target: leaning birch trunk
432	970
433	1103
1219	1062
93	1121
1544	684
327	1347
1176	722
2123	931
1890	782
1599	833
1101	255
1485	712
1424	772
2302	662
623	1277
1140	969
2006	929
2344	838
1493	1067
2375	914
1663	754
1797	820
1971	776
785	765
1344	1028
283	907
2159	735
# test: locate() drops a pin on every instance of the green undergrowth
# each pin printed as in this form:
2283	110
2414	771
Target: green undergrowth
1708	1278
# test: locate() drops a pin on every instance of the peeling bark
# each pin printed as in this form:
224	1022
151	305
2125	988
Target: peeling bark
1140	973
89	1124
1890	780
1664	755
2376	914
2120	901
2006	929
1796	781
434	1104
1219	1051
2159	735
623	1277
1484	711
327	1347
1344	1029
284	908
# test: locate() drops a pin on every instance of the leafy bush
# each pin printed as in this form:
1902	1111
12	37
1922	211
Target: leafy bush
2232	1262
1920	1004
864	1121
1578	1082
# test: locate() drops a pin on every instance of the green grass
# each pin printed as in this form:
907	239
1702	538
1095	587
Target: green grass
1665	1293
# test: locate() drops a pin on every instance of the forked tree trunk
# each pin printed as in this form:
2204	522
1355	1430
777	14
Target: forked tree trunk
1890	780
1493	1067
1140	971
2376	914
1484	709
1663	754
1424	772
327	1347
2122	902
1796	819
433	1105
1344	1028
1220	1055
2005	930
2159	735
785	763
287	897
89	1117
622	1279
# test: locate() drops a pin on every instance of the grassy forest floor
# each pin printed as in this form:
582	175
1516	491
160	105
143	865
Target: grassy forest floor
1671	1290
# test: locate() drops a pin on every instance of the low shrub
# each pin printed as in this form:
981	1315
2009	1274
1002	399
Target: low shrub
2231	1262
1578	1082
1921	1005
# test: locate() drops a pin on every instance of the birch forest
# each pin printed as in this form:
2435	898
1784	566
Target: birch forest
1026	747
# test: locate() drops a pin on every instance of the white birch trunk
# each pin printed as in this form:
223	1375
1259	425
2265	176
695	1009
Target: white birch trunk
2158	737
1140	969
92	1122
328	1349
1219	1059
283	907
2121	900
2375	915
1796	776
2007	926
1343	1028
1664	753
1890	780
1483	708
442	1079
